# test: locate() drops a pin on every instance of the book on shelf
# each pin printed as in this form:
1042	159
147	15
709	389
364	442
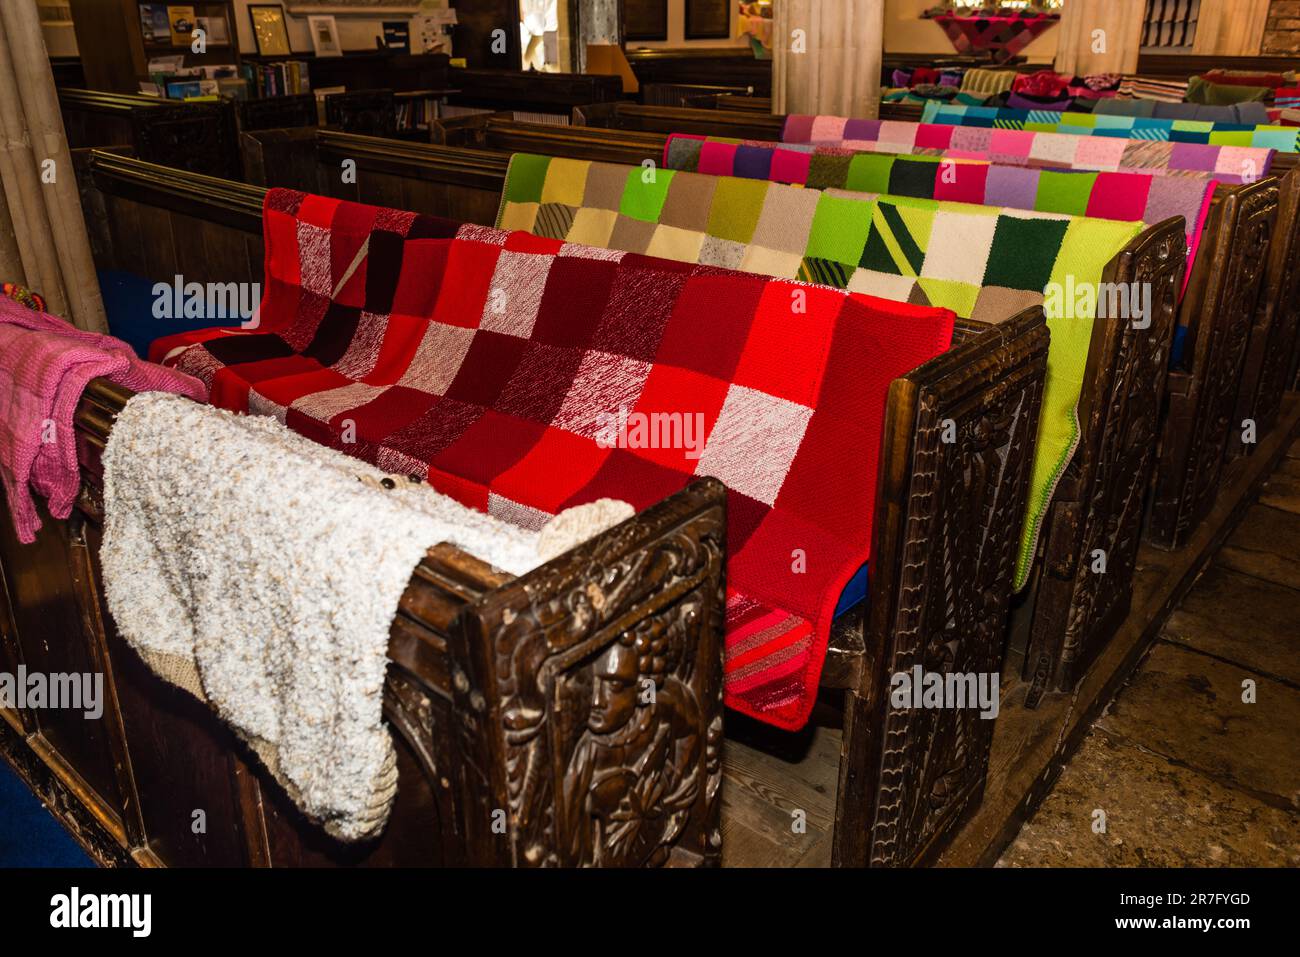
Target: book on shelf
414	113
282	78
181	20
235	88
184	89
173	63
154	25
214	28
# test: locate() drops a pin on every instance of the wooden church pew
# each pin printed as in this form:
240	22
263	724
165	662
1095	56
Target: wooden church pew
1072	613
740	124
367	112
1202	395
697	95
200	137
454	182
95	118
158	754
732	117
1068	609
1275	337
530	92
734	102
277	112
1217	382
717	66
502	133
943	547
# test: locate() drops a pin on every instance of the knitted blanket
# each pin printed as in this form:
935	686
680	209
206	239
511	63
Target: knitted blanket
982	262
1208	93
1280	138
1230	164
1250	114
1139	197
524	375
1164	89
45	364
987	82
923	95
261	572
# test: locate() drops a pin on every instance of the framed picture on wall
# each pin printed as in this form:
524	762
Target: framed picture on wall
269	30
708	19
324	36
645	19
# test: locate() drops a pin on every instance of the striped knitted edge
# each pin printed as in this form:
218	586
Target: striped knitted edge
1034	523
501	206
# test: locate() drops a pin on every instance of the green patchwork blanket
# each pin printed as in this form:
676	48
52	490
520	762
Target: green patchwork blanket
985	263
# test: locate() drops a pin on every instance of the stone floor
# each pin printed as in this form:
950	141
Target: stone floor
1197	761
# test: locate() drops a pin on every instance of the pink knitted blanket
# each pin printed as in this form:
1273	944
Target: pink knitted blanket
45	364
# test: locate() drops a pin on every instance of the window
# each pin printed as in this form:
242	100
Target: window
1170	24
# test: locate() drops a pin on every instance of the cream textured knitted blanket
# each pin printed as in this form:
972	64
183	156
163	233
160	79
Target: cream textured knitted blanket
261	572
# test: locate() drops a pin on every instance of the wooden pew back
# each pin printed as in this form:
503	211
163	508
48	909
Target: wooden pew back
989	386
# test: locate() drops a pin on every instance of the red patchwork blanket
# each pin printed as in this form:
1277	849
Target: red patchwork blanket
524	375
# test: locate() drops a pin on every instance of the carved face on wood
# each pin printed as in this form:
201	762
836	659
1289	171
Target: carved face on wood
615	689
603	710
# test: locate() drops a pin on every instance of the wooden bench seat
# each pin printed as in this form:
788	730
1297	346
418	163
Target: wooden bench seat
199	137
1070	615
460	761
944	538
1275	335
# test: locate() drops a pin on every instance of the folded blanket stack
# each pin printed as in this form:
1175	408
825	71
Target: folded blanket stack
1230	164
982	262
1048	83
986	82
45	364
1153	88
1280	138
1248	114
525	375
261	572
1201	90
1136	196
1250	78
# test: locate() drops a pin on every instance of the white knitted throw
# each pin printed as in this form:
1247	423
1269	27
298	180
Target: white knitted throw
261	572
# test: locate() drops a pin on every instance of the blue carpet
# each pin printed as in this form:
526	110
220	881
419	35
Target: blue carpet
29	834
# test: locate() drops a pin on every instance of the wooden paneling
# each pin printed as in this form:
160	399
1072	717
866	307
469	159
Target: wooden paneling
373	70
501	89
53	640
746	125
720	66
477	20
110	44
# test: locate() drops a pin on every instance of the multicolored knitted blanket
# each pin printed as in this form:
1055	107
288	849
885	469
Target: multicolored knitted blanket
1280	138
923	95
1230	164
987	81
523	376
1140	197
982	262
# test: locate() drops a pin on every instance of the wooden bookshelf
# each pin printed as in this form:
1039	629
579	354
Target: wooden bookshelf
115	51
218	51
